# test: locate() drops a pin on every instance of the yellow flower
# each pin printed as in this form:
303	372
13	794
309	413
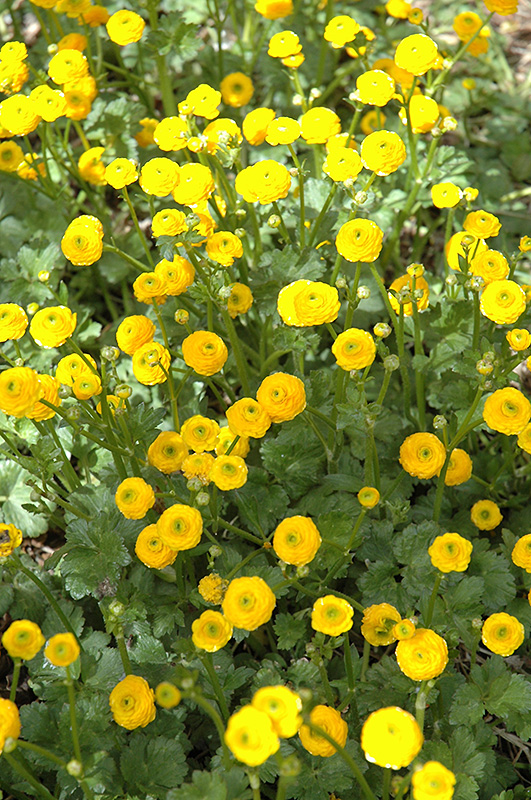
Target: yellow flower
223	247
490	265
159	177
10	538
134	497
450	553
372	121
211	631
342	163
399	9
169	222
203	101
485	515
91	167
11	156
86	386
167	452
78	105
167	695
200	433
180	527
240	300
296	540
282	395
228	472
405	282
246	417
354	349
416	54
303	303
519	339
225	439
502	633
212	588
454	248
332	615
445	195
236	89
175	276
9	721
283	130
368	497
433	782
502	7
378	623
94	16
507	411
482	224
196	184
359	240
256	123
250	736
391	737
50	388
205	352
20	389
171	134
404	629
248	603
284	44
121	172
23	639
133	332
62	649
319	124
341	30
466	24
145	136
282	706
125	27
422	455
524	438
459	468
332	723
151	363
152	551
67	65
422	657
71	367
274	9
17	115
13	52
383	152
82	241
502	302
423	113
265	182
13	318
521	554
198	465
525	244
132	703
375	87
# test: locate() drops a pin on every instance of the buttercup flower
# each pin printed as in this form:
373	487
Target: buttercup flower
502	633
482	224
248	603
491	265
62	649
250	736
459	468
354	349
524	439
175	276
422	657
283	130
145	136
121	172
433	782
445	195
203	101
198	465
10	538
169	222
240	300
151	363
171	134
265	182
228	472
359	240
132	703
50	389
180	527
20	389
91	167
375	87
9	721
340	30
450	553
236	89
319	124
125	27
332	723
246	417
167	452
212	588
521	554
282	395
200	433
67	65
342	163
423	113
13	319
152	551
167	695
332	615
86	386
71	367
383	152
391	737
282	706
211	631
134	497
224	441
196	184
51	327
507	411
502	302
223	247
519	339
422	455
23	639
159	177
406	282
303	303
404	629
283	44
502	7
378	623
133	332
11	156
205	352
256	123
485	515
274	9
416	54
82	241
296	540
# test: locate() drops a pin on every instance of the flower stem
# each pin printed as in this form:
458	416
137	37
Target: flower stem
73	721
433	598
24	772
366	789
214	682
216	719
16	674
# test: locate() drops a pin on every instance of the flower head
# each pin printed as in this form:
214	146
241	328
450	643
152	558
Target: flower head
132	703
502	633
391	737
450	553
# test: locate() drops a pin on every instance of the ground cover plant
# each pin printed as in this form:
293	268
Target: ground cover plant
265	424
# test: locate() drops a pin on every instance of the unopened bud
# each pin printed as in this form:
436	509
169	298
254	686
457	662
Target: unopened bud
10	744
315	93
416	270
202	499
297	100
74	768
449	124
477	283
274	221
303	571
391	363
110	353
194	485
360	198
363	293
341	283
293	171
52	49
439	422
484	367
240	213
215	551
225	292
32	308
123	391
436	133
382	330
290	767
240	233
116	608
64	391
451	280
43	275
467	241
181	316
73	414
19	362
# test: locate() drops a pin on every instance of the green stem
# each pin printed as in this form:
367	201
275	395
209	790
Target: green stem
216	719
282	227
348	662
168	99
122	649
330	699
433	598
249	536
404	374
386	783
317	223
419	377
366	789
328	453
16	674
141	236
238	355
365	659
477	321
73	721
300	177
420	703
42	751
214	682
25	773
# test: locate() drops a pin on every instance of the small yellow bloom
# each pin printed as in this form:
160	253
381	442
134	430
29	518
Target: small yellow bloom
167	452
296	540
502	302
23	639
228	472
332	615
416	54
167	695
152	551
132	703
304	303
354	349
246	417
212	588
332	723
368	497
282	706
134	497
319	124
211	631
250	735
383	152
240	300
507	411
10	538
378	623
125	27
422	455
521	554
200	433
151	363
450	553
62	649
391	737
459	468
13	318
236	89
180	527
340	30
256	123
133	332
485	515
20	389
121	172
248	603
502	633
445	195
433	782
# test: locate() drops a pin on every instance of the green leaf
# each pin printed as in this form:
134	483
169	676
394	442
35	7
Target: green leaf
152	764
467	707
466	756
294	467
289	630
261	504
204	786
508	693
14	495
